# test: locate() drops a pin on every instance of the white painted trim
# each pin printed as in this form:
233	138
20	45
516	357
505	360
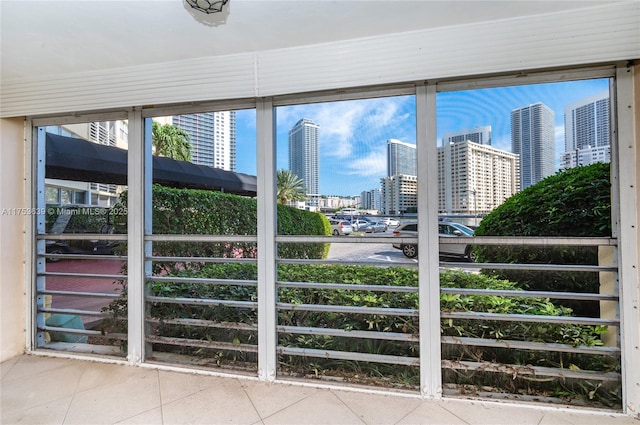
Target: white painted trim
589	35
267	250
136	168
428	250
628	240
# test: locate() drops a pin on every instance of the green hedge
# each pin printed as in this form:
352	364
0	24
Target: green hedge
574	202
191	211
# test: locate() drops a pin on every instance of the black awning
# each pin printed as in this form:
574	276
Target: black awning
69	158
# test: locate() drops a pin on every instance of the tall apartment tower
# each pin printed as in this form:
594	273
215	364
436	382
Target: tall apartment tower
533	139
475	178
480	135
213	138
401	158
303	154
587	131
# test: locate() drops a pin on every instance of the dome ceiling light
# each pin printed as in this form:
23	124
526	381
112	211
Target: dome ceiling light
207	6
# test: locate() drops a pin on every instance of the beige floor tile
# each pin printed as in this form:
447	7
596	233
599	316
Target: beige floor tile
271	398
150	417
109	404
432	413
51	413
99	374
7	365
34	390
27	366
475	412
177	385
585	418
378	409
323	407
224	402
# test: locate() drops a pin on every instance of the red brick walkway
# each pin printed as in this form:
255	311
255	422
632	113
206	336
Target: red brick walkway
82	284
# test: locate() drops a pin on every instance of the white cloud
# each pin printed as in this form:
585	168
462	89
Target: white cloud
373	164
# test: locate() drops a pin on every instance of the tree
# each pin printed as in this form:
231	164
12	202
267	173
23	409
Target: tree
171	141
289	187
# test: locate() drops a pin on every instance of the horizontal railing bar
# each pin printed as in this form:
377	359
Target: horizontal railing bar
540	267
476	240
85	256
82	237
201	238
531	294
78	294
205	323
187	342
235	282
389	336
340	240
202	260
199	301
532	241
347	286
531	371
348	309
371	263
72	311
85	275
529	318
88	332
533	346
343	355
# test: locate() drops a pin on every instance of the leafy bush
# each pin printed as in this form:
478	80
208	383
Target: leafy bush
574	202
191	211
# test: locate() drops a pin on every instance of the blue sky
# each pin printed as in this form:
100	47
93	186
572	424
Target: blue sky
353	134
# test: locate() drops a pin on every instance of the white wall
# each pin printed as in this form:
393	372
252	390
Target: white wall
570	38
12	240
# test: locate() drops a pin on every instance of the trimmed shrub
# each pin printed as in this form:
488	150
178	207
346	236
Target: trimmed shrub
574	202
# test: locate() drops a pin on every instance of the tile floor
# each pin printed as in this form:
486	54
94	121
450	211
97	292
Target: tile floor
50	390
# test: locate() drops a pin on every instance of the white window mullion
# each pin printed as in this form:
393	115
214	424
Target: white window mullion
628	273
137	169
428	264
266	167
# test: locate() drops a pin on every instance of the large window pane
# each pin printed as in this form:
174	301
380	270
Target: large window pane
202	284
529	161
81	305
347	173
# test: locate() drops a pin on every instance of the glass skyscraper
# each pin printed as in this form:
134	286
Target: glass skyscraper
533	138
213	138
303	154
401	158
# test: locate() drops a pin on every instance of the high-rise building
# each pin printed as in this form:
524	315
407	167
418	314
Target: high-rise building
587	131
370	199
212	136
533	139
475	178
303	154
481	135
399	194
401	158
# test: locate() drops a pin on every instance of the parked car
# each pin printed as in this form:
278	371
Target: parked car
340	227
445	230
378	226
81	219
391	222
361	225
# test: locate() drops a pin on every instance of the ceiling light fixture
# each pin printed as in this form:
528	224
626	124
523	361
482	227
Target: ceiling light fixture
207	6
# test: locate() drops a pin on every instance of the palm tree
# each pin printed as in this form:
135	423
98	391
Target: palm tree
289	187
171	141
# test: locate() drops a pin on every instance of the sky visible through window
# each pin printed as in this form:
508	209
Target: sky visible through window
353	134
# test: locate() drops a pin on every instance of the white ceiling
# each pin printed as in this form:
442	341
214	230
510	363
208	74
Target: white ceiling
61	37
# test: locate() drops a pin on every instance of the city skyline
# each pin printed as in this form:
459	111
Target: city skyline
352	141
